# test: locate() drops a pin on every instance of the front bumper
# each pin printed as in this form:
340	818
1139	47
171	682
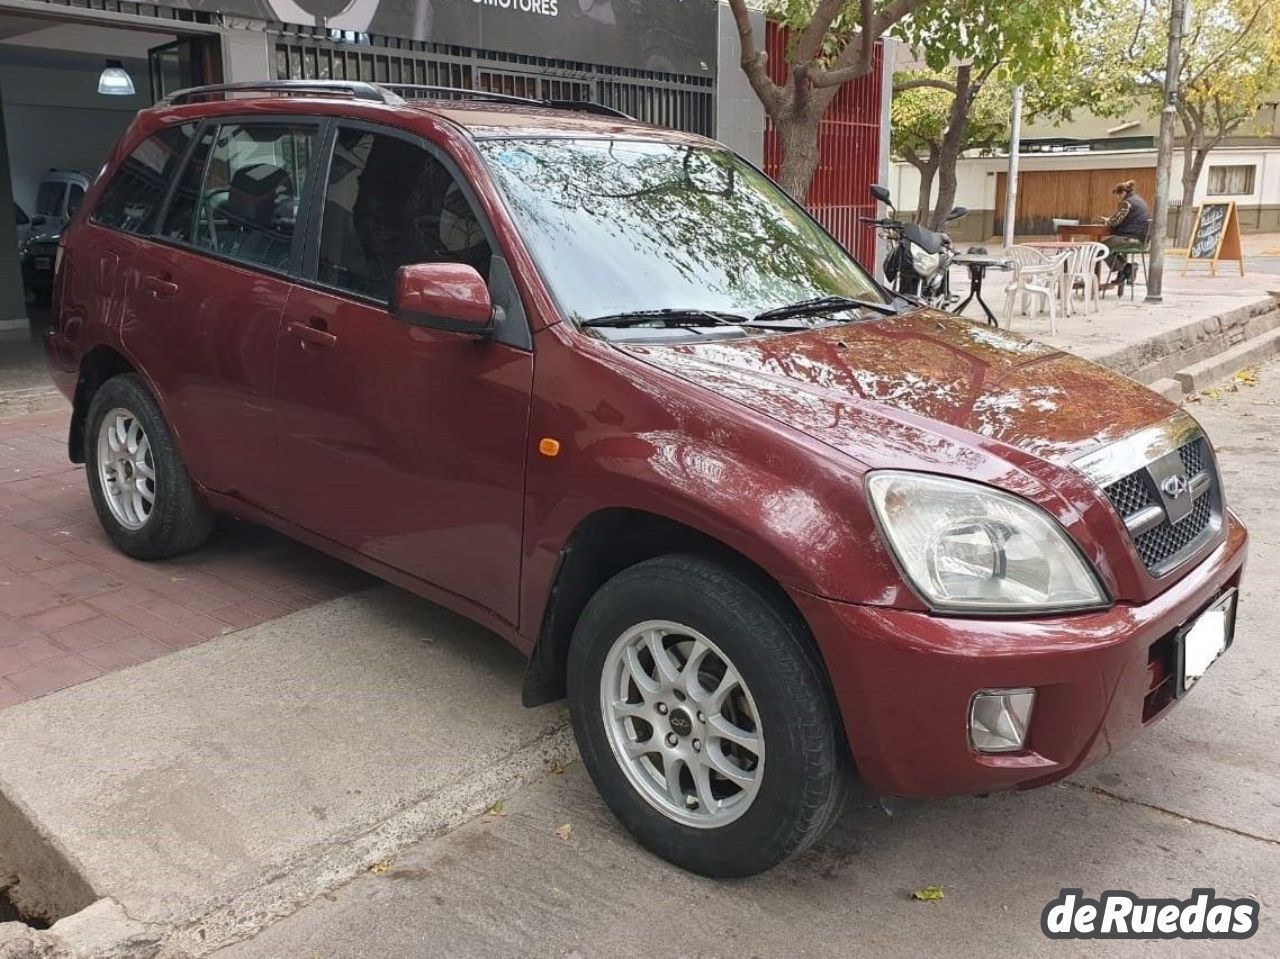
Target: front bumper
903	681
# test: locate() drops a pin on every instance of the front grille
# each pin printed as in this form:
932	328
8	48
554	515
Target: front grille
1164	545
1168	539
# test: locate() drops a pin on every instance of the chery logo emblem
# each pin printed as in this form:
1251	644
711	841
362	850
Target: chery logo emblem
1174	486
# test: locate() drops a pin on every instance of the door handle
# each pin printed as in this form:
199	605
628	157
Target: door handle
313	332
160	288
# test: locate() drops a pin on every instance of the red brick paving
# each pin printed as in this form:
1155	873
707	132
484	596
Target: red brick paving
73	608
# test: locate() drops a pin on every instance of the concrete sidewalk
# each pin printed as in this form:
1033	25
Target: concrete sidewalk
1206	328
215	789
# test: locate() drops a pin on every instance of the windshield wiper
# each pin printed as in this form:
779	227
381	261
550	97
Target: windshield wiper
671	317
822	304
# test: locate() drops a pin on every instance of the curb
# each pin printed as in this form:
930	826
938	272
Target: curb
1199	351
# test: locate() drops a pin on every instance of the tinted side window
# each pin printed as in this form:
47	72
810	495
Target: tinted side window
75	199
248	204
390	203
131	201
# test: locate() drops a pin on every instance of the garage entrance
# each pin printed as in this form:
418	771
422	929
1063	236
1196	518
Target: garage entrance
71	80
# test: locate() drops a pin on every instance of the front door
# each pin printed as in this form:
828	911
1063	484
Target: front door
403	443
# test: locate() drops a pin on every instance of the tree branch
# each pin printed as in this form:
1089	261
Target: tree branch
851	61
925	82
814	36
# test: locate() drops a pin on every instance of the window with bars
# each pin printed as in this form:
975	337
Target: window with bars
682	103
1231	180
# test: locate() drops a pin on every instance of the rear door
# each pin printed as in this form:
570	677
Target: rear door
98	253
404	443
205	298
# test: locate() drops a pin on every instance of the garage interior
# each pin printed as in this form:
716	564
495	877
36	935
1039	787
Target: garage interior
54	118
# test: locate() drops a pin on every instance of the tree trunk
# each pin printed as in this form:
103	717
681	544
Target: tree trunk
1193	161
952	144
798	137
928	171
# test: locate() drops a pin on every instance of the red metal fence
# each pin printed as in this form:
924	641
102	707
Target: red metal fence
849	152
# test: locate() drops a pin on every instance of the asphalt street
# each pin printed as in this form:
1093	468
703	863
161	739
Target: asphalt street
1195	803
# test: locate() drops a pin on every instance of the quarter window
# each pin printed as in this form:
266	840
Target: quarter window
253	182
391	203
131	201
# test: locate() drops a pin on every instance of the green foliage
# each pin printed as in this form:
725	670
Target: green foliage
1020	39
1230	67
920	114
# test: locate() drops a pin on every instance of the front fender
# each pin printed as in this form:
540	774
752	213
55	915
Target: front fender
651	442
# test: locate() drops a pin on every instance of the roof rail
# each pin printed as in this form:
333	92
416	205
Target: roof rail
356	89
463	93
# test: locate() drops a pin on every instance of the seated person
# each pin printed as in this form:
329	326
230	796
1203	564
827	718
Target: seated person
1129	226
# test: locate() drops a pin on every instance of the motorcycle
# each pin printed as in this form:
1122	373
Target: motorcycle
918	264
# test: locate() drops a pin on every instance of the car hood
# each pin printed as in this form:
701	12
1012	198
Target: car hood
925	386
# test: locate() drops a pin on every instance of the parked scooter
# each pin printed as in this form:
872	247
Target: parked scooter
919	260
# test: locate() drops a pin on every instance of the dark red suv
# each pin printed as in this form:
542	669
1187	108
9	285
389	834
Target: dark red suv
604	388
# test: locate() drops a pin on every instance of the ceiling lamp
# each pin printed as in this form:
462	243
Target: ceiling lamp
115	81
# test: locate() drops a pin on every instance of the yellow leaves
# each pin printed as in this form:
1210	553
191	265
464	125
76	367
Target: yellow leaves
378	868
928	894
498	808
565	831
1247	377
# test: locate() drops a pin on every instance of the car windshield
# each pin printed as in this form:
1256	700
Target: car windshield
49	198
622	226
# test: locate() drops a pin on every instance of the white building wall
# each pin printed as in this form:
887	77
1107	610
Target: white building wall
976	176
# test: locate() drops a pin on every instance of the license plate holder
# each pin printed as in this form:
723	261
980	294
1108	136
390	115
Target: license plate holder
1201	642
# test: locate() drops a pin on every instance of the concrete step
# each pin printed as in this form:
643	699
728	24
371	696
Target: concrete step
1161	357
1202	375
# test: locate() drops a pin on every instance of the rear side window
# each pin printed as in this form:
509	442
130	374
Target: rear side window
390	203
49	198
247	203
131	201
75	199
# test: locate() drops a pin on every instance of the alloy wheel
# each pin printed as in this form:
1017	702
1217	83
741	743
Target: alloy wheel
126	469
682	724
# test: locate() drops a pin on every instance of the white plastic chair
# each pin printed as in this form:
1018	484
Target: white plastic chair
1036	279
1084	269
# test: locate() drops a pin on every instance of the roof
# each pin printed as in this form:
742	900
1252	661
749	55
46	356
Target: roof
485	118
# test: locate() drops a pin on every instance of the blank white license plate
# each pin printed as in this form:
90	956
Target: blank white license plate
1207	638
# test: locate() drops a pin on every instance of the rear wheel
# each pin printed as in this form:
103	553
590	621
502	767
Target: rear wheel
703	717
140	488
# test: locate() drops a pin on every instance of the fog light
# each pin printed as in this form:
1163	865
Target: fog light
999	718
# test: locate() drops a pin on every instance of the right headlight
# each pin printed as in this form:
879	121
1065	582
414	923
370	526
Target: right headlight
966	547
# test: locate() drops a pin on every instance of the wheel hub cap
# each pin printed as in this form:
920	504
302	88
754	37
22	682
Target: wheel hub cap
126	469
682	724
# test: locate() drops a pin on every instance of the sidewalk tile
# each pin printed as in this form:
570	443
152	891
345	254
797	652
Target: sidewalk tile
10	695
23	653
54	674
91	632
60	616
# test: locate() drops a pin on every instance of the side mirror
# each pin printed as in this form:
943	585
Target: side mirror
881	193
957	212
443	296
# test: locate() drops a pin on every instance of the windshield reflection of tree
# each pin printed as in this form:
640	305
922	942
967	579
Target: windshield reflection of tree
625	226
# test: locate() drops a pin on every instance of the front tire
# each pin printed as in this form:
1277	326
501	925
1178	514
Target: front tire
703	717
140	488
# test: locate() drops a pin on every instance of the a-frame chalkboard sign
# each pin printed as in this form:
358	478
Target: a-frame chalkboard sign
1216	236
